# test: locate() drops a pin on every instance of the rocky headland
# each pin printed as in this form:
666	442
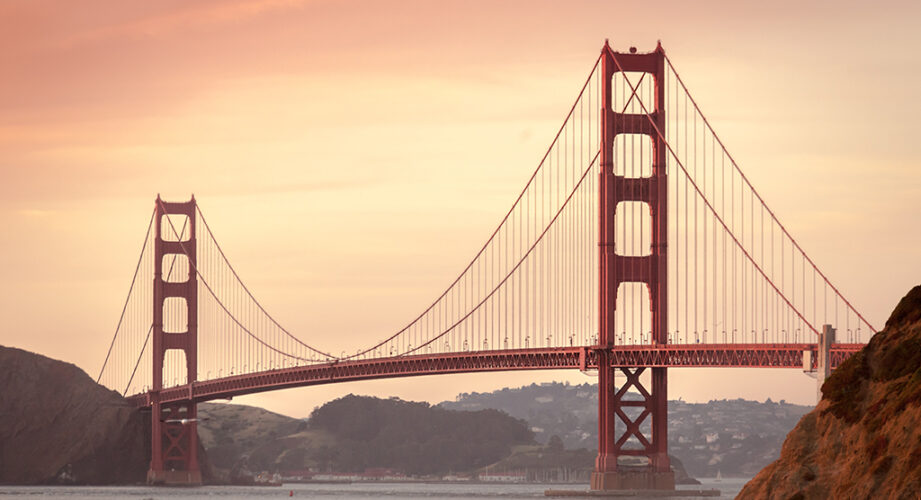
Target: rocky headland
863	440
57	426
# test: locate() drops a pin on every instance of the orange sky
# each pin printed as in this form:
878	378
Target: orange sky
358	153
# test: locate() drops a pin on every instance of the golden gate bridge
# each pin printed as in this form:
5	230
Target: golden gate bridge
636	245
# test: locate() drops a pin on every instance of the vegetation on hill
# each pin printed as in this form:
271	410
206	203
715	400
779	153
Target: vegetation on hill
863	440
238	436
356	433
415	438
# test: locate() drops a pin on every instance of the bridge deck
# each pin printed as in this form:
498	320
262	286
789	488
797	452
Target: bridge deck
671	356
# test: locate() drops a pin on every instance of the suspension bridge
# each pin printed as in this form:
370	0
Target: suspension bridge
636	245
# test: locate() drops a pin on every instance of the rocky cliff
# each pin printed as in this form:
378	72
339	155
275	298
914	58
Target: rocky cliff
863	440
58	426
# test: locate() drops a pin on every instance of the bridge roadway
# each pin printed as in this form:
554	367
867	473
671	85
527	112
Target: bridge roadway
584	358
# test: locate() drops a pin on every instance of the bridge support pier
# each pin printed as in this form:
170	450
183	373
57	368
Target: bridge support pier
175	461
823	361
174	428
633	458
609	473
633	479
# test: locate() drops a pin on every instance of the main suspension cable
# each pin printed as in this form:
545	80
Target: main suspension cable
137	269
498	228
250	294
707	202
758	195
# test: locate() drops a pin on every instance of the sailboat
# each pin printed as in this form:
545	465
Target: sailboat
719	477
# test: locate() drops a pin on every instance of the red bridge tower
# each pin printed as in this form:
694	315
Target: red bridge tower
616	269
174	431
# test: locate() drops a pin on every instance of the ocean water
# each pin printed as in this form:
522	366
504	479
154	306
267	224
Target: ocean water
729	488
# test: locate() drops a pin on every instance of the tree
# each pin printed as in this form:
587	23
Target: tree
555	444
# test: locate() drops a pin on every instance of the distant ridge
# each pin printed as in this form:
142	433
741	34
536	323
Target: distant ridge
736	437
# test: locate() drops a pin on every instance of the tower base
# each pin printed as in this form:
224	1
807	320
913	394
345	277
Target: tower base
174	477
633	479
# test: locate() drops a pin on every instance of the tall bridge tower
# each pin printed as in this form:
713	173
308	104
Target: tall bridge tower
174	431
613	436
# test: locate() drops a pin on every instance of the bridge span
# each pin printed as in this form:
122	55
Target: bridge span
637	245
581	358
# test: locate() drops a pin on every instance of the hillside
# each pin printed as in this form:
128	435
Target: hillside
242	437
355	433
415	438
733	437
863	440
58	426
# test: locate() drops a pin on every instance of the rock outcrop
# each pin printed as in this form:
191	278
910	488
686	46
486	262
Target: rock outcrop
58	426
863	440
